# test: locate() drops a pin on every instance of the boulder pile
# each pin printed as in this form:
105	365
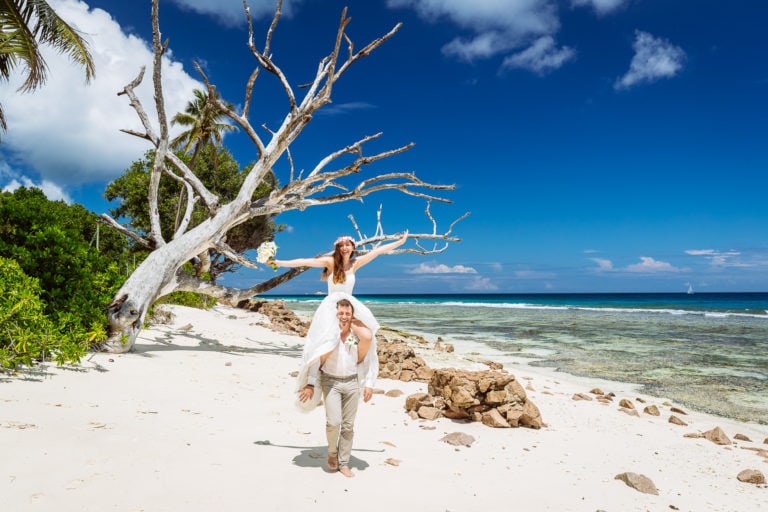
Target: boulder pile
494	398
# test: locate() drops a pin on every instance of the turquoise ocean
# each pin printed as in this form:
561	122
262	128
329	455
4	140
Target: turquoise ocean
707	351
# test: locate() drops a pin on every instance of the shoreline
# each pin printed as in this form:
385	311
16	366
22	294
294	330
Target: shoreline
201	415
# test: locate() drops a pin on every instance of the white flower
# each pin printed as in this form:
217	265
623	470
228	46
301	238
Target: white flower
351	339
266	252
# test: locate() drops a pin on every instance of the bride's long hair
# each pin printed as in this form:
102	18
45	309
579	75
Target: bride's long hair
339	272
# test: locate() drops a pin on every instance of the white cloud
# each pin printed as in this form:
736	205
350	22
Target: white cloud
655	58
51	190
601	7
719	258
481	284
231	12
495	27
603	264
425	268
541	57
651	266
68	131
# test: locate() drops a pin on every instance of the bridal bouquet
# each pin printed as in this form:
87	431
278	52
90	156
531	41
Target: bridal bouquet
265	252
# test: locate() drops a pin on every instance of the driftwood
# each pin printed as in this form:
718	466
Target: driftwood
161	272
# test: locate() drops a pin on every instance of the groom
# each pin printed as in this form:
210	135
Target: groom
340	386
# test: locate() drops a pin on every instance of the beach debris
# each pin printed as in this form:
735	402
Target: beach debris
394	393
458	439
742	437
185	328
389	443
626	404
472	395
294	374
677	421
638	482
716	435
652	410
678	410
596	391
581	396
18	425
751	476
392	462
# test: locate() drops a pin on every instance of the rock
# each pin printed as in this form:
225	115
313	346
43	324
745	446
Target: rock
281	318
677	421
678	410
392	462
626	403
742	437
631	412
717	436
493	365
751	476
765	441
393	393
458	439
581	396
652	410
494	419
429	413
638	482
597	391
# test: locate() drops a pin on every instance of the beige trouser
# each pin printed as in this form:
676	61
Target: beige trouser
341	397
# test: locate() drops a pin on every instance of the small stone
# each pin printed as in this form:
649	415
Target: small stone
631	412
678	410
458	439
581	396
392	462
717	436
652	410
742	437
626	403
638	482
393	393
677	421
596	391
751	476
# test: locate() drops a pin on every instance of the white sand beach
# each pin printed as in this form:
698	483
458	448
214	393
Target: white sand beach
201	417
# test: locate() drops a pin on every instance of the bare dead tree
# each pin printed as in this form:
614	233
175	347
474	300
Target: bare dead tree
161	272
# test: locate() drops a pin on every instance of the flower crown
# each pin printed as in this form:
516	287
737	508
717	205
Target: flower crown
345	238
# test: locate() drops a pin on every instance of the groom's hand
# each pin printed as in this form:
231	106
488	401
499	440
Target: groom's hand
306	393
367	394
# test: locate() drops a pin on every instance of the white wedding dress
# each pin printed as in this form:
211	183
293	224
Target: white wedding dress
324	334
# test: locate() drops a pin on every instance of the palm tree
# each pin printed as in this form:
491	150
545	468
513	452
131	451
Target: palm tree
205	128
26	24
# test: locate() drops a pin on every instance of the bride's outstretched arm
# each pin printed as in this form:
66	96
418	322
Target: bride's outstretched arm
378	251
322	261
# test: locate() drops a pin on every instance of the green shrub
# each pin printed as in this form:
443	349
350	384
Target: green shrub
27	334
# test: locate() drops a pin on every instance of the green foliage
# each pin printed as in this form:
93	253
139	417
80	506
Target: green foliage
219	172
27	334
55	243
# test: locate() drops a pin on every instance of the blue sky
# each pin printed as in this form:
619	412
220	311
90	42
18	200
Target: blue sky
600	145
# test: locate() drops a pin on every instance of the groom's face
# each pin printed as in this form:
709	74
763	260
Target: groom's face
344	314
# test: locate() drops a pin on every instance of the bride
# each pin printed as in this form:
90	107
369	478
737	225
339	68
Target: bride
323	334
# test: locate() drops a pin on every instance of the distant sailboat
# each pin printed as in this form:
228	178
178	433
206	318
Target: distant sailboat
690	289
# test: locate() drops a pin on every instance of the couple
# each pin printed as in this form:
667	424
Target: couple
340	348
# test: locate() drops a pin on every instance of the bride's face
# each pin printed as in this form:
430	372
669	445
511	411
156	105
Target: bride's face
346	248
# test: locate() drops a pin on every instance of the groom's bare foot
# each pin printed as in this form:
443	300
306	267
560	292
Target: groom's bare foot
333	463
344	470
